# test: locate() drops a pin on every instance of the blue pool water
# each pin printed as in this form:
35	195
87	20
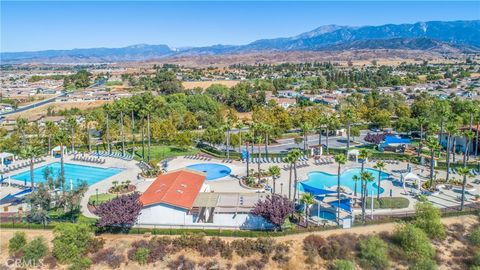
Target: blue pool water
322	214
213	170
74	172
325	180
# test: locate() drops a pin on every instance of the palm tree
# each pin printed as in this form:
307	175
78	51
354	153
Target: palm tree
465	172
61	138
274	172
348	116
88	119
49	130
366	177
421	122
469	135
22	125
72	125
307	200
433	145
451	131
121	105
133	108
258	140
306	129
355	179
331	124
31	152
106	109
364	155
295	155
267	130
240	126
340	160
289	159
380	166
227	127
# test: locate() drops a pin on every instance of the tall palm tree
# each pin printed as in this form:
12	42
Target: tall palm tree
106	109
289	159
307	200
465	172
422	121
364	155
469	135
228	127
380	166
31	152
132	107
355	179
267	130
433	145
451	130
61	138
274	172
295	155
122	106
306	129
50	129
340	160
22	125
88	119
72	125
240	126
348	116
258	140
366	177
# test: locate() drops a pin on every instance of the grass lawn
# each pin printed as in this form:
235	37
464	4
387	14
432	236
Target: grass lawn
103	197
389	202
159	152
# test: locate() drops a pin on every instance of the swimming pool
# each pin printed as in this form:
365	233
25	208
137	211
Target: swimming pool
213	170
73	172
325	214
325	180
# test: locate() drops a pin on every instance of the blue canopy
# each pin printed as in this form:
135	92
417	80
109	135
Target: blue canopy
396	140
316	191
344	204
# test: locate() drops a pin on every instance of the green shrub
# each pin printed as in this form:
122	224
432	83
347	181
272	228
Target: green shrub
141	255
476	259
474	236
373	253
414	242
70	241
428	218
427	264
342	265
35	250
17	242
80	264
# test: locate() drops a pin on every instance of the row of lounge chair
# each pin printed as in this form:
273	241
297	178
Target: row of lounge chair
113	155
20	165
89	159
198	157
227	160
300	164
273	160
324	161
385	161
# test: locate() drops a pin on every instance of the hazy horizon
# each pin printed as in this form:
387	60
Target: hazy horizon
36	26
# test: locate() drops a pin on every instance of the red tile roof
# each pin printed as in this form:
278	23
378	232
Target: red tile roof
177	188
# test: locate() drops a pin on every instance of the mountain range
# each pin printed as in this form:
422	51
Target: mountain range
438	36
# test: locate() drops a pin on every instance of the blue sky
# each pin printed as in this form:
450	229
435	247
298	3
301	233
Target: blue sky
29	26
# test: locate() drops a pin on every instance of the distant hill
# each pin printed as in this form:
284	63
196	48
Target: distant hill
445	37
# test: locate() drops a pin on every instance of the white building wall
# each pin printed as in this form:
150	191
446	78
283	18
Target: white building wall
244	221
165	215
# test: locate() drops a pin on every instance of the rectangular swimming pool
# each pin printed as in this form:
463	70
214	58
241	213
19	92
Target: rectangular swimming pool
73	172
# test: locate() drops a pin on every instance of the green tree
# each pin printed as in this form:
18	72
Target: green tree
465	172
70	241
340	160
374	253
31	152
433	145
380	166
428	218
414	242
274	172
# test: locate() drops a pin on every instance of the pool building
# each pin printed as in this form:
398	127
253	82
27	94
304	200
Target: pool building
182	198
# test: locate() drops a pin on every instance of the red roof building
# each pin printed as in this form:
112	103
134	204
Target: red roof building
177	188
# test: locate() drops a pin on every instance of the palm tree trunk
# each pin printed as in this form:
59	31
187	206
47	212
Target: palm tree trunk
320	137
465	153
62	168
123	133
432	164
274	184
89	141
421	141
258	163
143	138
348	136
462	202
148	137
32	180
454	146
448	158
338	194
228	143
326	140
133	134
266	145
295	181
73	139
476	141
109	149
290	183
439	138
378	184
